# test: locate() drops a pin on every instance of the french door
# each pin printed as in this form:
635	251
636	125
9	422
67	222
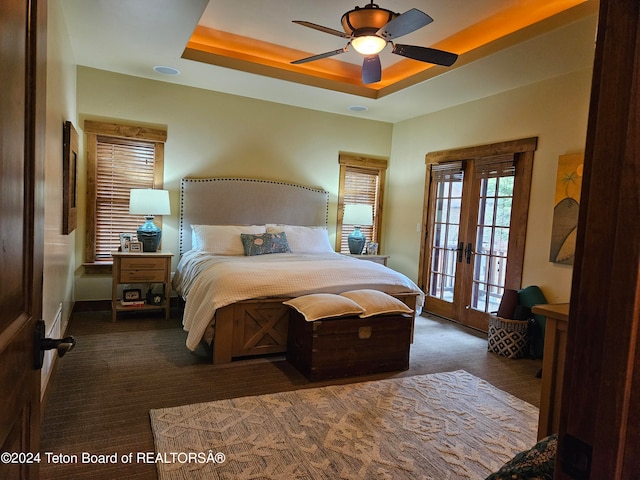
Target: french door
476	220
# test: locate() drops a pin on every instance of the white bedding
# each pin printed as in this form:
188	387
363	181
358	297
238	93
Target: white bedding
208	282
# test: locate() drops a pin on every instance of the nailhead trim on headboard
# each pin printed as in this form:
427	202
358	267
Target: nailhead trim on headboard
312	209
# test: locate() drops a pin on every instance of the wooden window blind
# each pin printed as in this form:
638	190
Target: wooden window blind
495	166
361	182
446	172
361	187
121	166
119	158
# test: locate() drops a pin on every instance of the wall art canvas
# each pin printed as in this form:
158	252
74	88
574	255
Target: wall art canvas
565	211
69	178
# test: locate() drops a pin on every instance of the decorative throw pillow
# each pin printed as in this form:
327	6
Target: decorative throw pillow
538	463
317	306
508	303
221	239
264	243
375	302
304	239
528	297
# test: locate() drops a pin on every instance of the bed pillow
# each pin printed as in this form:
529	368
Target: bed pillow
264	243
221	239
375	302
304	239
317	306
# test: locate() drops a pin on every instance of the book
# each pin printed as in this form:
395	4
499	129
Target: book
132	303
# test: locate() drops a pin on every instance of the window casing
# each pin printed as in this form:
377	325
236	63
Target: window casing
119	158
361	182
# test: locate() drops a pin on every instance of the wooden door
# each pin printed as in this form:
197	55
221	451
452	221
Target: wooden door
599	434
445	245
475	224
486	252
22	117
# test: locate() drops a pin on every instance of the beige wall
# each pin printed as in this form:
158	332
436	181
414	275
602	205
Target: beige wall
555	111
61	106
59	249
213	134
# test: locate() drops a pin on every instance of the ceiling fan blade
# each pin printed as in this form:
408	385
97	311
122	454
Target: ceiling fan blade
425	54
371	69
331	31
320	56
408	22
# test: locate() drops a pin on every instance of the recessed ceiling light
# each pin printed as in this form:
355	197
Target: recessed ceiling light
358	108
166	70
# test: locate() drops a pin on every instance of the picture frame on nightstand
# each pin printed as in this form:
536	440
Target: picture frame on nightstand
125	240
132	295
135	247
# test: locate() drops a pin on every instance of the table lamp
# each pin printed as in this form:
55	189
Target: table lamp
357	215
149	202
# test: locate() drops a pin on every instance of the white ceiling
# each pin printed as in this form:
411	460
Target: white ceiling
132	36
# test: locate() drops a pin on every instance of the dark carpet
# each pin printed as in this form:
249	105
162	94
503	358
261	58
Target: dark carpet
99	399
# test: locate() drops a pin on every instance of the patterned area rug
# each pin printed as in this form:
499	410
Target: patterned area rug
431	427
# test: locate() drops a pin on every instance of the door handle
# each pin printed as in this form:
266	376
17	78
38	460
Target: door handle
62	345
468	252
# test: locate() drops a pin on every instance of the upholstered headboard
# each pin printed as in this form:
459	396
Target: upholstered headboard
246	201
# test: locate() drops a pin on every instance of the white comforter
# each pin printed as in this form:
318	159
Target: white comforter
210	282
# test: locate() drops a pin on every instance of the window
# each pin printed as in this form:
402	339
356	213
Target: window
119	158
361	182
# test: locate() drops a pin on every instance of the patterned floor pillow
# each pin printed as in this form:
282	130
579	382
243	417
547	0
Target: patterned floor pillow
537	463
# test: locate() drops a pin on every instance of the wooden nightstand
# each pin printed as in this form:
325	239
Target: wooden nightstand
382	259
136	268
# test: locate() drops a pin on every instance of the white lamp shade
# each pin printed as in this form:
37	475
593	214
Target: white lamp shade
146	201
358	214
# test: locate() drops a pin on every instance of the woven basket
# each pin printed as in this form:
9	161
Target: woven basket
509	338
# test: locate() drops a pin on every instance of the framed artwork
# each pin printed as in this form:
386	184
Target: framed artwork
132	295
69	178
566	207
135	246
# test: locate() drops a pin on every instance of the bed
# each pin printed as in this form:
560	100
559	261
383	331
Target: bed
233	301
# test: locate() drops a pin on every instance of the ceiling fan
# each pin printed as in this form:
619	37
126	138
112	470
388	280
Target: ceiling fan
370	28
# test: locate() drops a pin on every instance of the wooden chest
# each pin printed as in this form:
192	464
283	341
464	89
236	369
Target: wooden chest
348	346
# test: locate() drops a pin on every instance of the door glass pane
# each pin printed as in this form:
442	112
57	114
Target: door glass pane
489	185
486	211
481	268
492	241
500	242
452	236
439	235
483	239
503	211
454	211
445	238
447	291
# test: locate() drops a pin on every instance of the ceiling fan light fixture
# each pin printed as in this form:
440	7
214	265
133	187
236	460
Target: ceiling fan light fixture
369	44
370	28
370	16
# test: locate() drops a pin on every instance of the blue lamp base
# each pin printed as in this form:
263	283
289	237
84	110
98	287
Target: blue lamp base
150	235
356	241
